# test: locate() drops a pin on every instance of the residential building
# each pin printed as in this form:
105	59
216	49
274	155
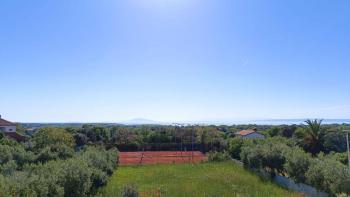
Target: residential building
7	126
250	134
9	130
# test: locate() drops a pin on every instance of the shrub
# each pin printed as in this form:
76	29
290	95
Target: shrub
345	186
3	187
235	147
335	141
327	174
251	157
19	184
130	190
274	131
269	154
9	142
101	159
273	159
218	156
76	178
80	139
297	164
6	153
47	137
288	131
16	154
54	152
101	162
8	168
22	156
341	157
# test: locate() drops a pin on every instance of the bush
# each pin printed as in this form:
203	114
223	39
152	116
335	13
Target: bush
54	152
130	190
101	159
22	156
80	139
15	154
345	186
101	162
48	137
274	131
297	164
218	156
3	187
44	179
6	153
9	142
273	157
327	174
19	184
235	147
251	157
8	168
268	154
76	179
341	157
335	141
76	176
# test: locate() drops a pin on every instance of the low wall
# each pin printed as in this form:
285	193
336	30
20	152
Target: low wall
299	187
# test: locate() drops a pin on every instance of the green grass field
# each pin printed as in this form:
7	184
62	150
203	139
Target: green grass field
206	179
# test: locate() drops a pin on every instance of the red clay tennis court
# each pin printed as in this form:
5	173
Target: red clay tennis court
160	157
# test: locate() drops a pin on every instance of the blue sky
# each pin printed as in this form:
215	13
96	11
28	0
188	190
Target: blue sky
174	60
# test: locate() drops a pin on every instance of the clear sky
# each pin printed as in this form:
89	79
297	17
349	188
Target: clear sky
174	60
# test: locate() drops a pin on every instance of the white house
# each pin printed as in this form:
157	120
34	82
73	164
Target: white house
7	126
250	134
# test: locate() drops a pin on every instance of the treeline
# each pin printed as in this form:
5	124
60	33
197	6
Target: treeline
131	138
313	136
331	137
50	164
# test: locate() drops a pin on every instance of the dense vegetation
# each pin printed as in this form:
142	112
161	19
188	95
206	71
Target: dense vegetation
50	164
42	166
206	179
308	156
156	137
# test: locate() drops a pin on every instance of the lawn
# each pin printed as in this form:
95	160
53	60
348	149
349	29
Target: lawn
206	179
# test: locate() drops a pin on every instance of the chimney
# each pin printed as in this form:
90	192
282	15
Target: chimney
0	116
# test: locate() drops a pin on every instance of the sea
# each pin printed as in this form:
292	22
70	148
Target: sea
271	122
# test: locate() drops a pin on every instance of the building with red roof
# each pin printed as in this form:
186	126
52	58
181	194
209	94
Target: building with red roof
250	134
7	126
9	130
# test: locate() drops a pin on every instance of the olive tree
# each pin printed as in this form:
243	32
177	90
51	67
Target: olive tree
297	164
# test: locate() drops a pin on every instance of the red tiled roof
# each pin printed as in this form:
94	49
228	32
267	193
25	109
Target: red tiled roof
246	132
6	123
15	136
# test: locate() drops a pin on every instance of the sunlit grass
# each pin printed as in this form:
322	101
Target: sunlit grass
207	179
